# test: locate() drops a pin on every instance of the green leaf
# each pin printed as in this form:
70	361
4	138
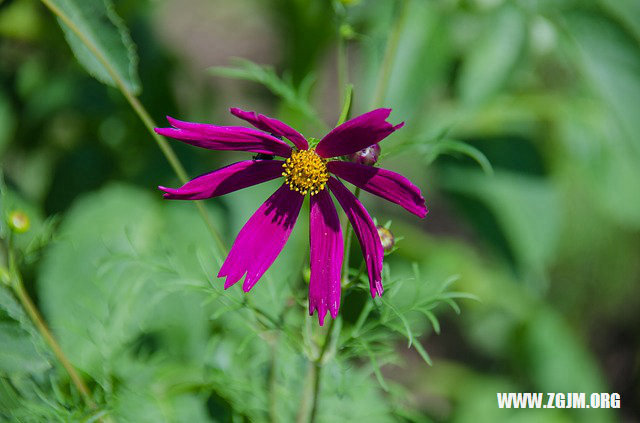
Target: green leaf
266	76
526	208
376	367
610	61
627	12
407	327
423	353
18	354
99	40
14	311
451	147
493	57
434	321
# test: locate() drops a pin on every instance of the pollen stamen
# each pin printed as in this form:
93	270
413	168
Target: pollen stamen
305	172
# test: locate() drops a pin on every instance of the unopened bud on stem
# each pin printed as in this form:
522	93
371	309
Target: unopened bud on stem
386	238
19	221
367	156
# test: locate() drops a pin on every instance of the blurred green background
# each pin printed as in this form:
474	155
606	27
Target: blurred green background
546	236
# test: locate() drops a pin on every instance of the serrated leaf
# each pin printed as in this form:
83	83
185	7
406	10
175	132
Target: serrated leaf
18	354
99	40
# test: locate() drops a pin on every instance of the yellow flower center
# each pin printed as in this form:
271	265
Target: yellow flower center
305	172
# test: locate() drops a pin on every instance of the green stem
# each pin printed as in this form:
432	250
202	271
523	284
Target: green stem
364	313
343	76
346	105
315	370
142	113
389	55
273	382
318	372
38	321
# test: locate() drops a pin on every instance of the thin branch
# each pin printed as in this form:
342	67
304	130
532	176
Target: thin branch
38	321
142	113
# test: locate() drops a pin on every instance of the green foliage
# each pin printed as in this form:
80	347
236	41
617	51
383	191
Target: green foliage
515	201
121	258
7	122
521	131
292	96
493	55
95	23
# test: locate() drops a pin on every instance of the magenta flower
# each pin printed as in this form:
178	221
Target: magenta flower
305	170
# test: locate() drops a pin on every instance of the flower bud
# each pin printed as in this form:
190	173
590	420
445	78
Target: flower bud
367	156
5	278
19	222
347	32
386	238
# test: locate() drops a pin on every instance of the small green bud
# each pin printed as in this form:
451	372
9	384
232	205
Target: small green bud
347	32
5	277
306	274
19	221
386	238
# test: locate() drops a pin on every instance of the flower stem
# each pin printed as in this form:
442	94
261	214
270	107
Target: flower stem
389	55
273	382
315	368
142	113
317	365
309	405
38	321
343	75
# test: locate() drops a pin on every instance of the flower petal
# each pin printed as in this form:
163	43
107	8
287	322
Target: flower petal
262	238
273	126
356	134
225	180
382	182
365	230
235	138
326	253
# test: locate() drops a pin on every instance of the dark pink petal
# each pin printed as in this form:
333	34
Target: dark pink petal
356	134
273	126
235	138
384	183
326	253
262	238
366	232
228	179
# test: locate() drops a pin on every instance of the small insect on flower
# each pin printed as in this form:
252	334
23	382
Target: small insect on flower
305	171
